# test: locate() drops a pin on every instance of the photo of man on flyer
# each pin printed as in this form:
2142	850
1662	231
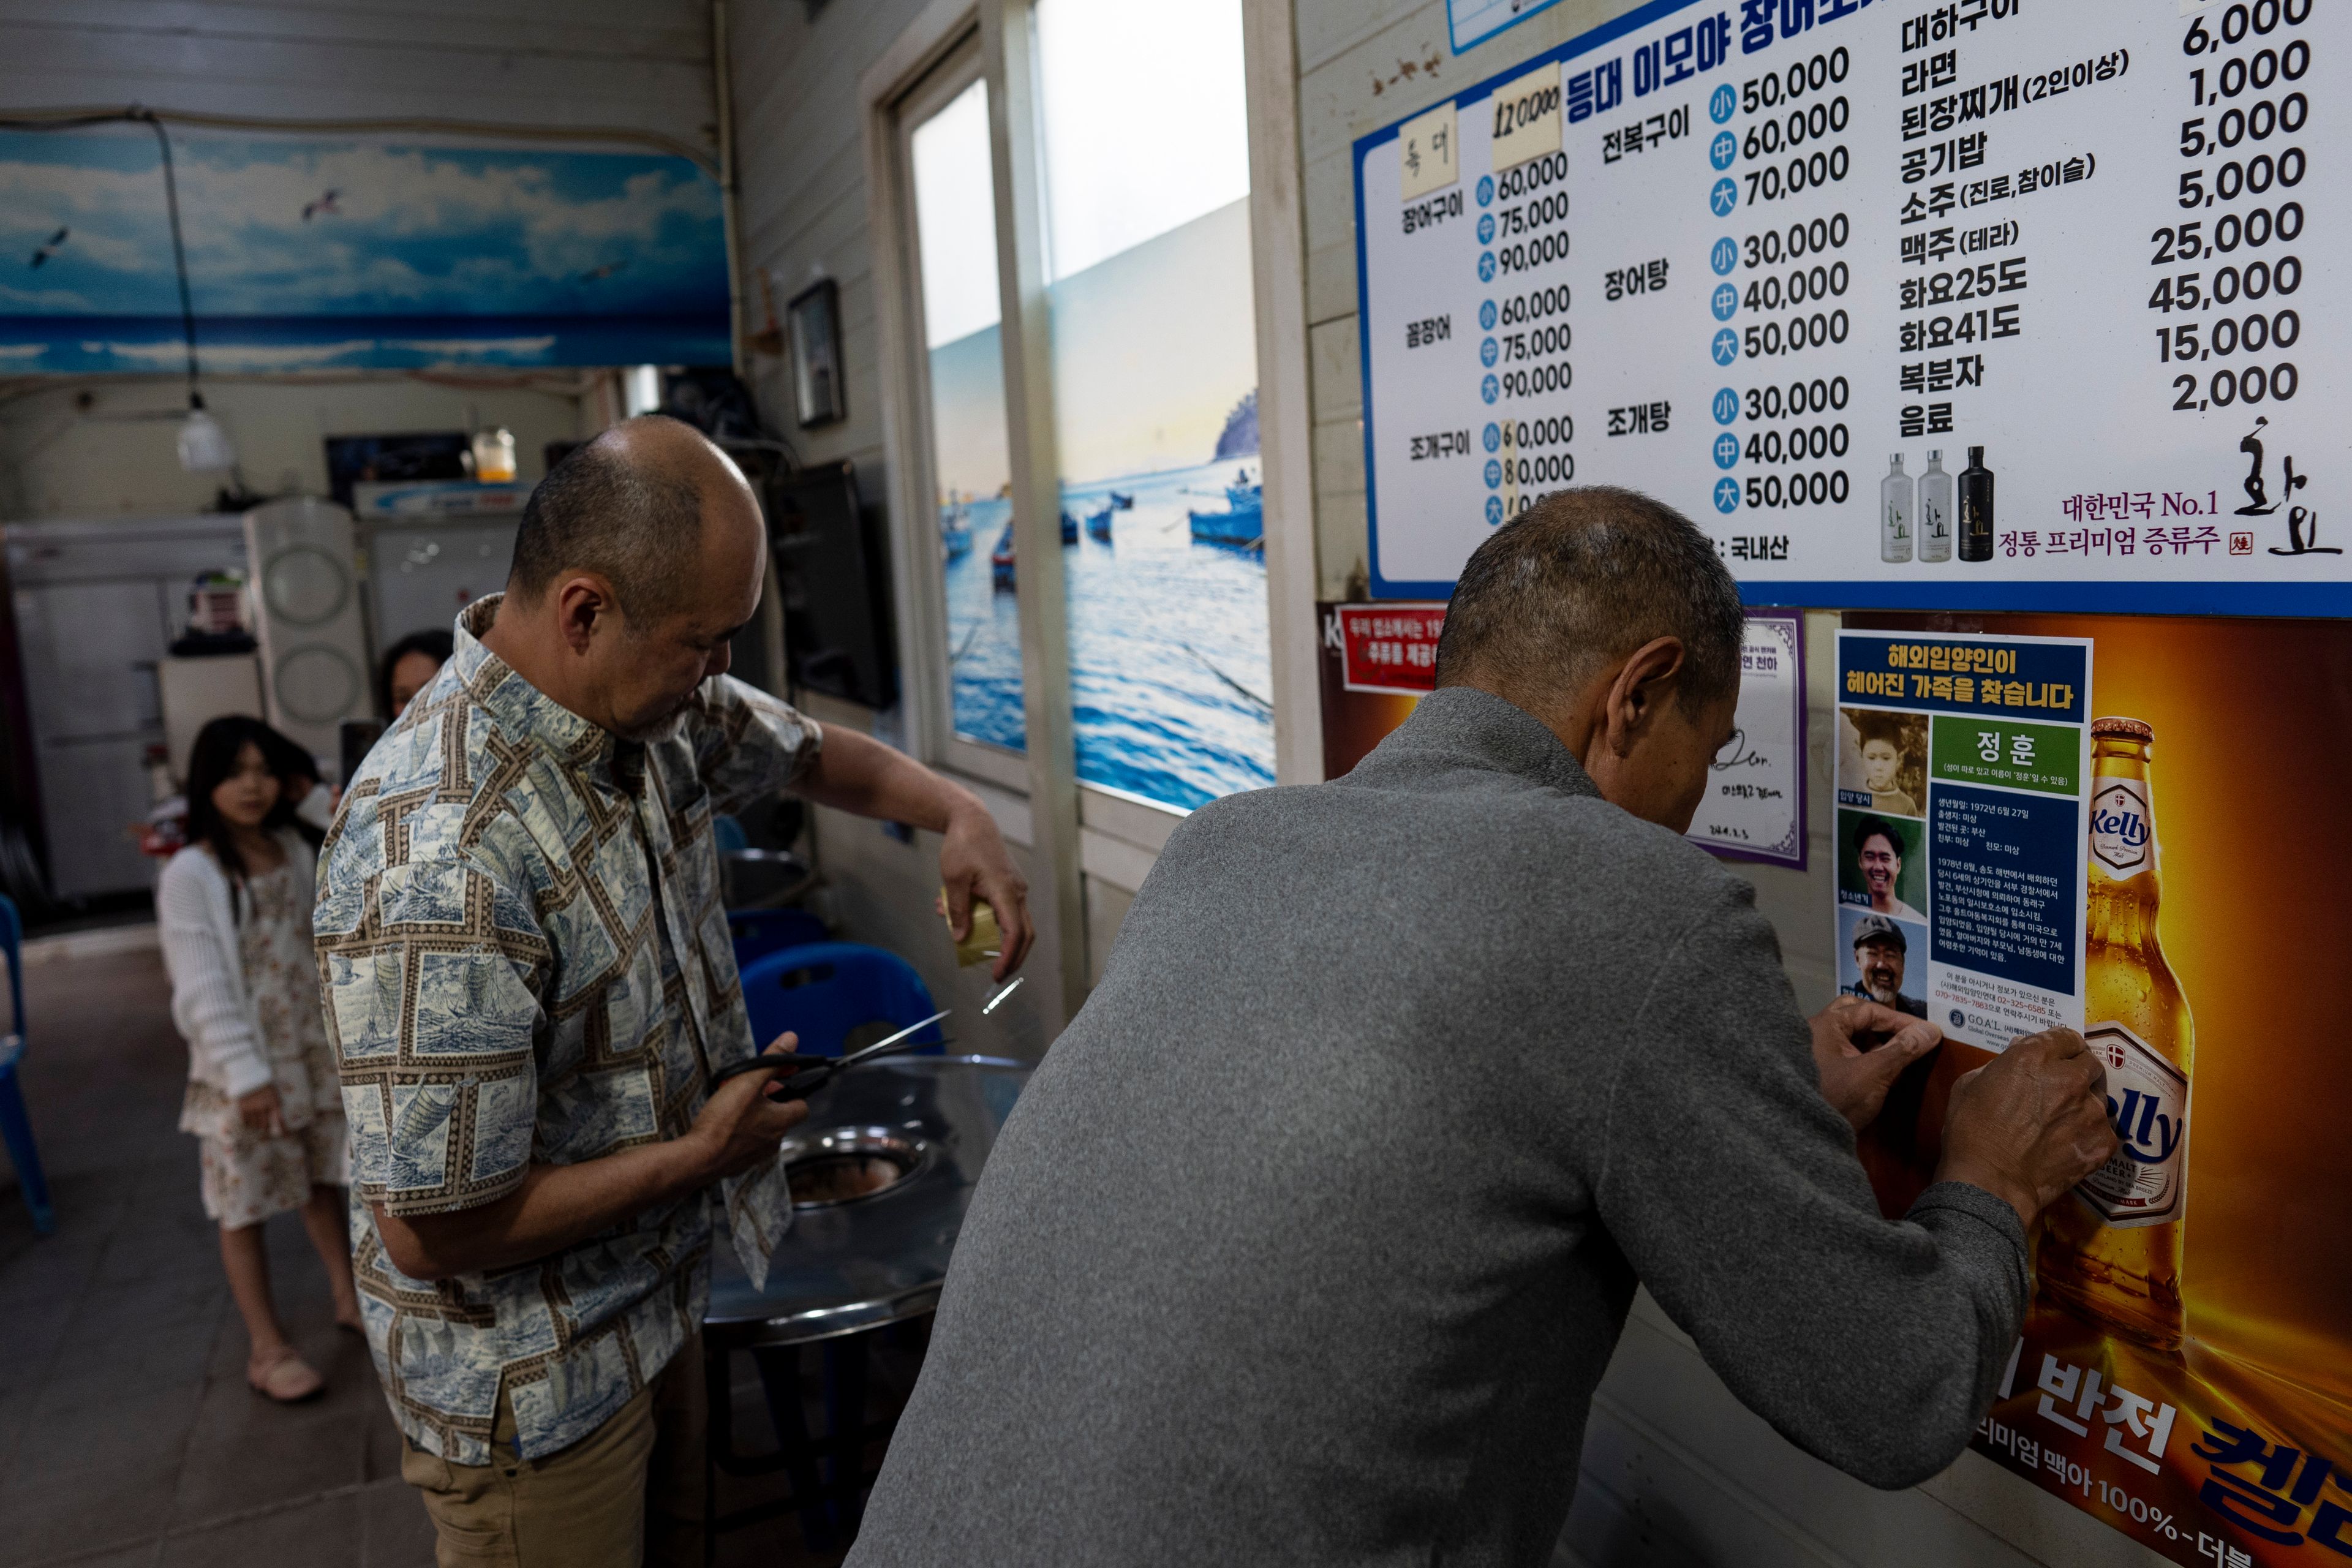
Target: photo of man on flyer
1876	876
1880	954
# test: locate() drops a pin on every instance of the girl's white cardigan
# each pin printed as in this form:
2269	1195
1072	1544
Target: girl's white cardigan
197	923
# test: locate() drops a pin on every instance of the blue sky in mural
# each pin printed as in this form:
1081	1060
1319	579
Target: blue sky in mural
306	253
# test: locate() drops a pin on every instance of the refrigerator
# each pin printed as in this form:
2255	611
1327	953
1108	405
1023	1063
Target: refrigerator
432	547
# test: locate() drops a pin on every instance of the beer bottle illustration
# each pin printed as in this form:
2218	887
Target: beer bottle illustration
1895	510
1975	509
1935	511
2112	1252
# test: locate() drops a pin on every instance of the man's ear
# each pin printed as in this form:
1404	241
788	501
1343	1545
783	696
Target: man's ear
1645	682
581	601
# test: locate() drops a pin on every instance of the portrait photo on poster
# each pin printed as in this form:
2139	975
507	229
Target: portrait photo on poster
1882	761
1882	959
1883	864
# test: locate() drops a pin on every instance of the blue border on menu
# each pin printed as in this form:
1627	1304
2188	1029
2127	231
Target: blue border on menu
2327	600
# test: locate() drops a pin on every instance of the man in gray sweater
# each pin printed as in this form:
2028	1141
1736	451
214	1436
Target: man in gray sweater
1316	1229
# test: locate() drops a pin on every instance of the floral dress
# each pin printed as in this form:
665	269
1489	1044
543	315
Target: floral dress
250	1176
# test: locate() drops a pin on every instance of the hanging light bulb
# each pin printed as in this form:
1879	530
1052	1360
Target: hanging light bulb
204	446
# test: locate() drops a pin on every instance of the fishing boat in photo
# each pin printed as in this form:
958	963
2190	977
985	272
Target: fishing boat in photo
1069	527
1001	559
1242	522
1122	500
955	529
1098	521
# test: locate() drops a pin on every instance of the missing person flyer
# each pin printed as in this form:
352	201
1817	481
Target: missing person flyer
1961	770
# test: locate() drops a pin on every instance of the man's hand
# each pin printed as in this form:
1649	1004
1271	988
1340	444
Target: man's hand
740	1125
973	862
2031	1123
857	772
261	1112
558	1206
1861	1048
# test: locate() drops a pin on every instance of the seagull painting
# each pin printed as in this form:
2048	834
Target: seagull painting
325	203
56	242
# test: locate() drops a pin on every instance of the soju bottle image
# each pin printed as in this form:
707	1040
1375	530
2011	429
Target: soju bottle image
1975	509
1935	511
1896	505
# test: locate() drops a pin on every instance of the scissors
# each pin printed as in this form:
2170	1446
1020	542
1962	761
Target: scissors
809	1074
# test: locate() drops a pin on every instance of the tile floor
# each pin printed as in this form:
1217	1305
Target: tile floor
127	1433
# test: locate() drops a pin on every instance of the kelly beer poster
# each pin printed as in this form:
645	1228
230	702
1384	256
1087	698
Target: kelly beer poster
2184	1372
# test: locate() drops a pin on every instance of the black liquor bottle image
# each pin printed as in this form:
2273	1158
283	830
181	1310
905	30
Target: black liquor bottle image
1975	509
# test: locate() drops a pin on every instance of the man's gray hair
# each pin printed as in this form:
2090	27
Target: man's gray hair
631	523
1582	578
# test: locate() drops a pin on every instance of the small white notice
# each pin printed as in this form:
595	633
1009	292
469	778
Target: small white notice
1426	147
1471	20
1527	117
1755	803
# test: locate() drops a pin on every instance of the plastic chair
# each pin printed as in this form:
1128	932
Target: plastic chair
824	990
15	1127
759	933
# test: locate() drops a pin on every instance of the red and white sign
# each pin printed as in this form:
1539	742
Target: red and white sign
1389	648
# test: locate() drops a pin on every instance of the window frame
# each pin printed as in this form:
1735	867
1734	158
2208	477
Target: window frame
1077	831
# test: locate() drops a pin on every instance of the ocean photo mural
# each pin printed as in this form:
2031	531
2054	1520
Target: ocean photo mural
1156	408
341	253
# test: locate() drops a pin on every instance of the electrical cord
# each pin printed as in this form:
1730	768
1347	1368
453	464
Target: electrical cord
138	115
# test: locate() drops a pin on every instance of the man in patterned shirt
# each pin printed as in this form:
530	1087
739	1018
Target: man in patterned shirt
529	981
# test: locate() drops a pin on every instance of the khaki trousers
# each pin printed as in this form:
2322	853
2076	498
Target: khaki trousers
630	1492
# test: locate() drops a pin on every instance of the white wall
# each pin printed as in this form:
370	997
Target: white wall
1676	1472
120	457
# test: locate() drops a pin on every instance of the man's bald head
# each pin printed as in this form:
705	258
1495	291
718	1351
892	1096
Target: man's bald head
631	506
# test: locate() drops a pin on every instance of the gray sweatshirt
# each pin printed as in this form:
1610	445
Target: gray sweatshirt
1314	1232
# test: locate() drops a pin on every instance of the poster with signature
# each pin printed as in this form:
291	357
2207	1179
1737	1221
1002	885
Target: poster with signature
1755	805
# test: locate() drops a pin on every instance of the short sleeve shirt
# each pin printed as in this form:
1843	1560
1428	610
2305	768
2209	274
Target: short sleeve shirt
525	959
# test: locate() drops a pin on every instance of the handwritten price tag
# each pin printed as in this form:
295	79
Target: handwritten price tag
1527	117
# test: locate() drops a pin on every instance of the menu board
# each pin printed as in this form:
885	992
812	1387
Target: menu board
1976	304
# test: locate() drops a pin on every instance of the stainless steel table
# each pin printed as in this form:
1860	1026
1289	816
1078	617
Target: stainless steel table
853	1265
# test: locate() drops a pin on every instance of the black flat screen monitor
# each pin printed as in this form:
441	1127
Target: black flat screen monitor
831	569
354	460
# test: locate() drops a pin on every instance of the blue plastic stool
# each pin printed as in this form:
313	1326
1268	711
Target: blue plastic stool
824	990
759	933
15	1127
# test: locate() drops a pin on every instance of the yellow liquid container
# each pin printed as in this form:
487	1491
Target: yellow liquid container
494	456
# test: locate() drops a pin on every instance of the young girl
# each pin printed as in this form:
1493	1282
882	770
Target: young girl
233	913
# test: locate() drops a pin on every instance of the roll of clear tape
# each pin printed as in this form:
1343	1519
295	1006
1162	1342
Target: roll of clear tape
985	940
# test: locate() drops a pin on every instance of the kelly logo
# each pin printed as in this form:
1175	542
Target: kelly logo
2121	835
2148	1105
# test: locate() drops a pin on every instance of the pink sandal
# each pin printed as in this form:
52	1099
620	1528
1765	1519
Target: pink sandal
284	1376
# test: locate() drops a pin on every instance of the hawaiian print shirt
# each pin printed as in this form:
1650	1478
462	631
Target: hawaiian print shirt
525	958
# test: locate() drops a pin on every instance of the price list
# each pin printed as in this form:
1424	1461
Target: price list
1980	304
